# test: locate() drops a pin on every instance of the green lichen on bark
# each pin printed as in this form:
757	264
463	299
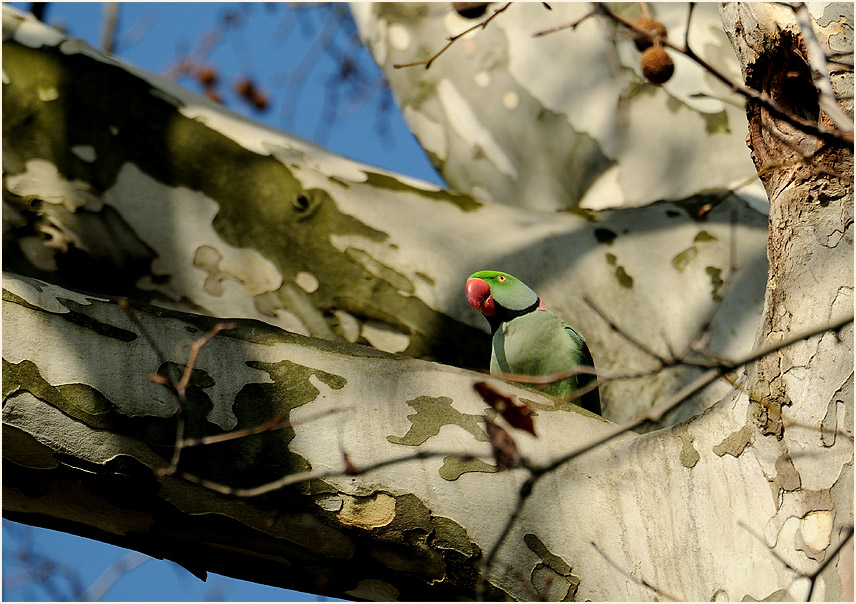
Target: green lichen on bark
88	405
262	205
261	458
551	577
681	260
454	467
716	281
465	202
432	413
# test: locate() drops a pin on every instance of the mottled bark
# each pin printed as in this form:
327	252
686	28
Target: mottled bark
147	191
800	396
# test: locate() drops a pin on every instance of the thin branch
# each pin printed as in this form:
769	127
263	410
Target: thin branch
113	573
178	388
633	578
655	415
690	10
614	326
571	25
830	556
348	469
126	306
773	552
427	62
111	24
278	422
831	135
820	71
812	576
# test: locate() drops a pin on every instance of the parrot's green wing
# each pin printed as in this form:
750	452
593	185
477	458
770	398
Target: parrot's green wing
539	343
590	400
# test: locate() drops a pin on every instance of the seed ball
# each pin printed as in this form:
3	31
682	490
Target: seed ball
207	76
654	28
470	10
657	65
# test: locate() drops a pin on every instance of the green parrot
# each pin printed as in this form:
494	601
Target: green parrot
528	338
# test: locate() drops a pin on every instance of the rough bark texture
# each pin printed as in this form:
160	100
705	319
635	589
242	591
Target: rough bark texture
280	234
801	393
154	193
610	138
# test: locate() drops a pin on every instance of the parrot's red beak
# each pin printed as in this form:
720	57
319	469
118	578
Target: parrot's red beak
478	295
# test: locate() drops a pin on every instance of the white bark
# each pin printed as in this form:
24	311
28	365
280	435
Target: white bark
284	232
611	139
304	237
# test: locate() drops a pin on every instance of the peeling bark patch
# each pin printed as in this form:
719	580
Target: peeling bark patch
466	203
88	405
537	547
450	535
767	415
735	443
689	456
384	337
551	578
380	270
41	180
787	477
681	260
22	449
816	530
621	275
74	316
454	467
716	281
265	457
704	236
308	532
208	259
367	512
780	595
431	415
374	590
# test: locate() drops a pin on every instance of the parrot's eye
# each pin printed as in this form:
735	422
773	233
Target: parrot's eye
501	278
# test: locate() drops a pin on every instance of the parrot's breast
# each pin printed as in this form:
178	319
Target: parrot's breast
533	344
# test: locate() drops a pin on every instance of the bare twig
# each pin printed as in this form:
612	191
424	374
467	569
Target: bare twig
113	573
654	415
179	388
690	10
347	469
126	306
109	27
830	556
812	576
634	578
627	336
278	422
571	25
820	71
835	136
427	62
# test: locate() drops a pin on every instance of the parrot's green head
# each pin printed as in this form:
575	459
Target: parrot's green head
500	296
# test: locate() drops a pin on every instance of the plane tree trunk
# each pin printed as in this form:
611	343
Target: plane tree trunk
329	466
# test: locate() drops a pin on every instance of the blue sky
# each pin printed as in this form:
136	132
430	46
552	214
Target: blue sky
271	47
